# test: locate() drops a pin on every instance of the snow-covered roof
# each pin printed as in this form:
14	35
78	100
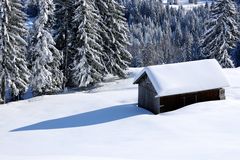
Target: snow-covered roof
187	77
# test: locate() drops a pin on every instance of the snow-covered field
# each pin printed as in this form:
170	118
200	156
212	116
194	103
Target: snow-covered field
105	124
187	5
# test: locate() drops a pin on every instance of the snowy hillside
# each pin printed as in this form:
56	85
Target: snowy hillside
187	5
105	123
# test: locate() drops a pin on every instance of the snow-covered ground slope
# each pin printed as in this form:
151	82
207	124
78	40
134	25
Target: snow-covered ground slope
105	124
187	5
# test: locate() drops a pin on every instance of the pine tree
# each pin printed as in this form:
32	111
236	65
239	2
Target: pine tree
14	71
88	67
222	32
115	37
178	36
166	43
45	57
4	41
187	47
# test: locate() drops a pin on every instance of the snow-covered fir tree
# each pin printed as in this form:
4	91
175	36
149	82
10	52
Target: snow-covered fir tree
13	66
188	46
45	57
4	41
115	37
222	32
88	67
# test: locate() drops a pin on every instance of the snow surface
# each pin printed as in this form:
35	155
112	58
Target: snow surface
105	124
187	77
188	6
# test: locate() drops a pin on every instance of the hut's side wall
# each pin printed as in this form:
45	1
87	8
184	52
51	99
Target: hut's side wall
174	102
146	96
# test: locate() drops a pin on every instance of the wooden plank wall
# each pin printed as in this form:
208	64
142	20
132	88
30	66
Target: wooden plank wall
146	96
147	99
174	102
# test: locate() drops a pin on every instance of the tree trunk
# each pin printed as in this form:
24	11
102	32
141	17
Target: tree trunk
3	86
65	56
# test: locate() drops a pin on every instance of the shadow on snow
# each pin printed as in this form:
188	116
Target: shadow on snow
100	116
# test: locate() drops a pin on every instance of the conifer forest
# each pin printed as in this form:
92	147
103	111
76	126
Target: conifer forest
53	46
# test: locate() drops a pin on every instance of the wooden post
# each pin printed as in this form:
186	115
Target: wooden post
222	94
196	98
184	101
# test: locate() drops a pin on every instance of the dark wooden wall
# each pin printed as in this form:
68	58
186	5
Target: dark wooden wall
174	102
146	96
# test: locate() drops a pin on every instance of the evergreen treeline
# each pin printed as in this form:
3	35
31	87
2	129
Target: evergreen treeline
93	38
14	73
73	43
161	34
221	33
76	43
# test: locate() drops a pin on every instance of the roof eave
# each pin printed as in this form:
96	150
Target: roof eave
165	95
140	75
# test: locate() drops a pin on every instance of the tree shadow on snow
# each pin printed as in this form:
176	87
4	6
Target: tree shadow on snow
96	117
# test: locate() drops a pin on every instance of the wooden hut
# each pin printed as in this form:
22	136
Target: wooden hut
169	87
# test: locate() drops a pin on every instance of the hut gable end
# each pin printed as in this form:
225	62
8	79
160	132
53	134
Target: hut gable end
146	83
